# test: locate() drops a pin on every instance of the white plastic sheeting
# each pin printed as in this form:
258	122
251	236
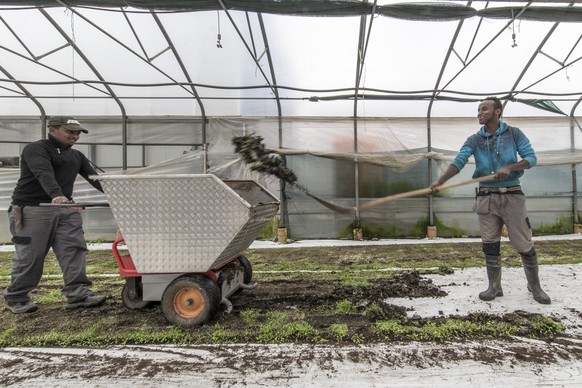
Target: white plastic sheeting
393	159
139	54
152	87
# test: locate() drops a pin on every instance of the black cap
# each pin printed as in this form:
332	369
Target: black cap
66	122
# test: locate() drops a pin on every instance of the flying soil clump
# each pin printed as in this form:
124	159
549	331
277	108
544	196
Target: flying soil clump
267	161
262	159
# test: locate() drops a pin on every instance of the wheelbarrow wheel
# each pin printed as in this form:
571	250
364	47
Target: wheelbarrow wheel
247	268
190	301
132	296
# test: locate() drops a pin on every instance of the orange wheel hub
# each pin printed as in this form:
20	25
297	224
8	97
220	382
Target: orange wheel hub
189	302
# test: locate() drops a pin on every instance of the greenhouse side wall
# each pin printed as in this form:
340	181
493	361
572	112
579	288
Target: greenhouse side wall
329	173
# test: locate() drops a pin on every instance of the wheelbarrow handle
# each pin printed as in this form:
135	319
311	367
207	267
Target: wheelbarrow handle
424	191
77	204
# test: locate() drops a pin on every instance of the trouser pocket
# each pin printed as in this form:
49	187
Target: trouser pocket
481	205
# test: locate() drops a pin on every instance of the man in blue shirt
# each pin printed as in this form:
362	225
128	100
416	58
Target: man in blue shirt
495	149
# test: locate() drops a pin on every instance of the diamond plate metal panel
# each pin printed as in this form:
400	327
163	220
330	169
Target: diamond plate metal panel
186	223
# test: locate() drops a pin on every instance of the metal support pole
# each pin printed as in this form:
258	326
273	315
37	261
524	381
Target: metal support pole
574	179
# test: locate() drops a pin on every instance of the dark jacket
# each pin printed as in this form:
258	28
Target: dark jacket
48	170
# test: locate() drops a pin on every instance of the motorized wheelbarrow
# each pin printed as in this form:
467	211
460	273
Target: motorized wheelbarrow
185	235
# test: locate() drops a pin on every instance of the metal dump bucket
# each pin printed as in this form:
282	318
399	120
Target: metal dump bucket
186	223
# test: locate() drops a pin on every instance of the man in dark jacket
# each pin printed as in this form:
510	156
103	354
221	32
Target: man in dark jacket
48	169
496	147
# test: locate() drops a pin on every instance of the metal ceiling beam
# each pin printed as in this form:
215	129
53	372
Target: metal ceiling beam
429	115
537	1
38	63
106	84
282	183
97	74
565	65
533	57
135	34
189	79
272	83
178	59
513	91
272	71
575	106
35	59
363	39
359	66
146	60
269	83
31	98
501	31
82	55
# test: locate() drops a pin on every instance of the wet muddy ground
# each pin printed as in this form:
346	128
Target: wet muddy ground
226	353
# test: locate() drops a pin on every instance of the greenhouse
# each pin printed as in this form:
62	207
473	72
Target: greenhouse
360	99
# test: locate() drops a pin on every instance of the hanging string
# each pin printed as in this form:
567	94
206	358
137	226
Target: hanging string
74	39
218	36
513	32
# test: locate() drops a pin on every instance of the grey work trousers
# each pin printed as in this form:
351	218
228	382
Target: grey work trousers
494	210
43	228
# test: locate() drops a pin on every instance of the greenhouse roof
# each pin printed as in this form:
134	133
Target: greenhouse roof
288	58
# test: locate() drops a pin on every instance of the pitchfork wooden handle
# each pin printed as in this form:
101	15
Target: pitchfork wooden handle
424	191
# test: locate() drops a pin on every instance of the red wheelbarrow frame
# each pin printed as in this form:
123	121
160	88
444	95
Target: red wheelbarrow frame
127	267
132	293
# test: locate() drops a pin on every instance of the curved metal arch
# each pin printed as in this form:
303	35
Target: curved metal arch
250	51
271	67
272	83
429	115
31	97
188	78
180	62
466	65
96	72
65	75
83	57
275	87
283	184
22	88
512	93
106	84
363	40
575	106
130	50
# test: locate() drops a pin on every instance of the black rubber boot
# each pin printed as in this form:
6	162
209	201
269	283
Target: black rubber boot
494	275
530	266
